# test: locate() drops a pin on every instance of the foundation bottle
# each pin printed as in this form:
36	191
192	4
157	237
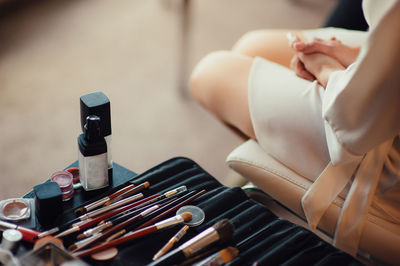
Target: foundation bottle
97	103
93	164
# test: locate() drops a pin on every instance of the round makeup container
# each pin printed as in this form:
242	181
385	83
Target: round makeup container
198	215
11	238
75	173
64	180
14	209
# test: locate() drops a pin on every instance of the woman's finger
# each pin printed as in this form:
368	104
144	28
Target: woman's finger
303	73
293	62
292	38
315	46
300	70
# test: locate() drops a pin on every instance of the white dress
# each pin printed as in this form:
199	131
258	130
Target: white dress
345	138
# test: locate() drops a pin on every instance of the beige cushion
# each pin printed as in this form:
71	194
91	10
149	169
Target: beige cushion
380	238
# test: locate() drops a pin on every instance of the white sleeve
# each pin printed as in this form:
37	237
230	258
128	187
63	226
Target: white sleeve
361	105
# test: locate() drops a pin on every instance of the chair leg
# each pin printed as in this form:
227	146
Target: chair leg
183	50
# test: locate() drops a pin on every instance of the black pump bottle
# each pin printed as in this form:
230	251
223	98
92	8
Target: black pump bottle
93	164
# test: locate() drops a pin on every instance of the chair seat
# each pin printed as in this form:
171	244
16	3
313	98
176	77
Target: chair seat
380	238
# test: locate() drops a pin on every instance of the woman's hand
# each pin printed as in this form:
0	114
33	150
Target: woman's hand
319	65
319	58
295	63
345	54
299	69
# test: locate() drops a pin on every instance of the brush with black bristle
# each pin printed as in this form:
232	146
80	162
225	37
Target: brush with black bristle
220	232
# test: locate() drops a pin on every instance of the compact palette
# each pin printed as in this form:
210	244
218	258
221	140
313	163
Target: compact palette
15	209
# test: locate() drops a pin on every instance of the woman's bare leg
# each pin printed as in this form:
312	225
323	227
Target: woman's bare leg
219	84
269	44
220	80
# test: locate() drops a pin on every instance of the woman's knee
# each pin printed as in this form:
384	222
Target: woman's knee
204	80
269	44
248	43
219	83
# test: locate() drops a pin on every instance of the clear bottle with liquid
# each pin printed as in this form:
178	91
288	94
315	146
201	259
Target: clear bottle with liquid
93	162
97	103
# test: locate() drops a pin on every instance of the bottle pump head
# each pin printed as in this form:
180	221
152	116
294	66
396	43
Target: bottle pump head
92	128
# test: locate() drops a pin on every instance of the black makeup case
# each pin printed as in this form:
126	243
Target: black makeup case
261	237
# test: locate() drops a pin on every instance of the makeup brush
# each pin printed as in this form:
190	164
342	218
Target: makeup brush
174	208
107	199
128	193
94	230
128	224
97	212
222	257
110	207
102	201
186	216
171	242
176	192
147	218
220	232
118	218
95	238
27	234
157	198
78	222
92	221
116	204
124	201
158	216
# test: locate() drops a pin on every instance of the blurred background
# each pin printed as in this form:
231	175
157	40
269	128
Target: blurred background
140	54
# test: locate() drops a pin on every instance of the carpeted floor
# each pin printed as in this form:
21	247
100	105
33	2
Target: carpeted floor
52	52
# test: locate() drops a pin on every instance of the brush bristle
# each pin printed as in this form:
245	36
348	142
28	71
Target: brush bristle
80	237
228	254
225	229
72	247
186	216
80	211
146	184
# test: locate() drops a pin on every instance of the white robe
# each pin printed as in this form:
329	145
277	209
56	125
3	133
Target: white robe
344	137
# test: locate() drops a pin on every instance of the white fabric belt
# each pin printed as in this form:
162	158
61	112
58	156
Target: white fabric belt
332	181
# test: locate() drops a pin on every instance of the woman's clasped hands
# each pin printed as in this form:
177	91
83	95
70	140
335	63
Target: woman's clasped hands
318	59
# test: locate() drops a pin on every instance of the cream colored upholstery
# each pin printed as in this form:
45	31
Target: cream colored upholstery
380	238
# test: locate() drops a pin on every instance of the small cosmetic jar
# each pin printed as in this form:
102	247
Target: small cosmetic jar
64	180
75	173
15	209
11	238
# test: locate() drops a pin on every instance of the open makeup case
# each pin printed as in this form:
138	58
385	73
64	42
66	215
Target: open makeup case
260	236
